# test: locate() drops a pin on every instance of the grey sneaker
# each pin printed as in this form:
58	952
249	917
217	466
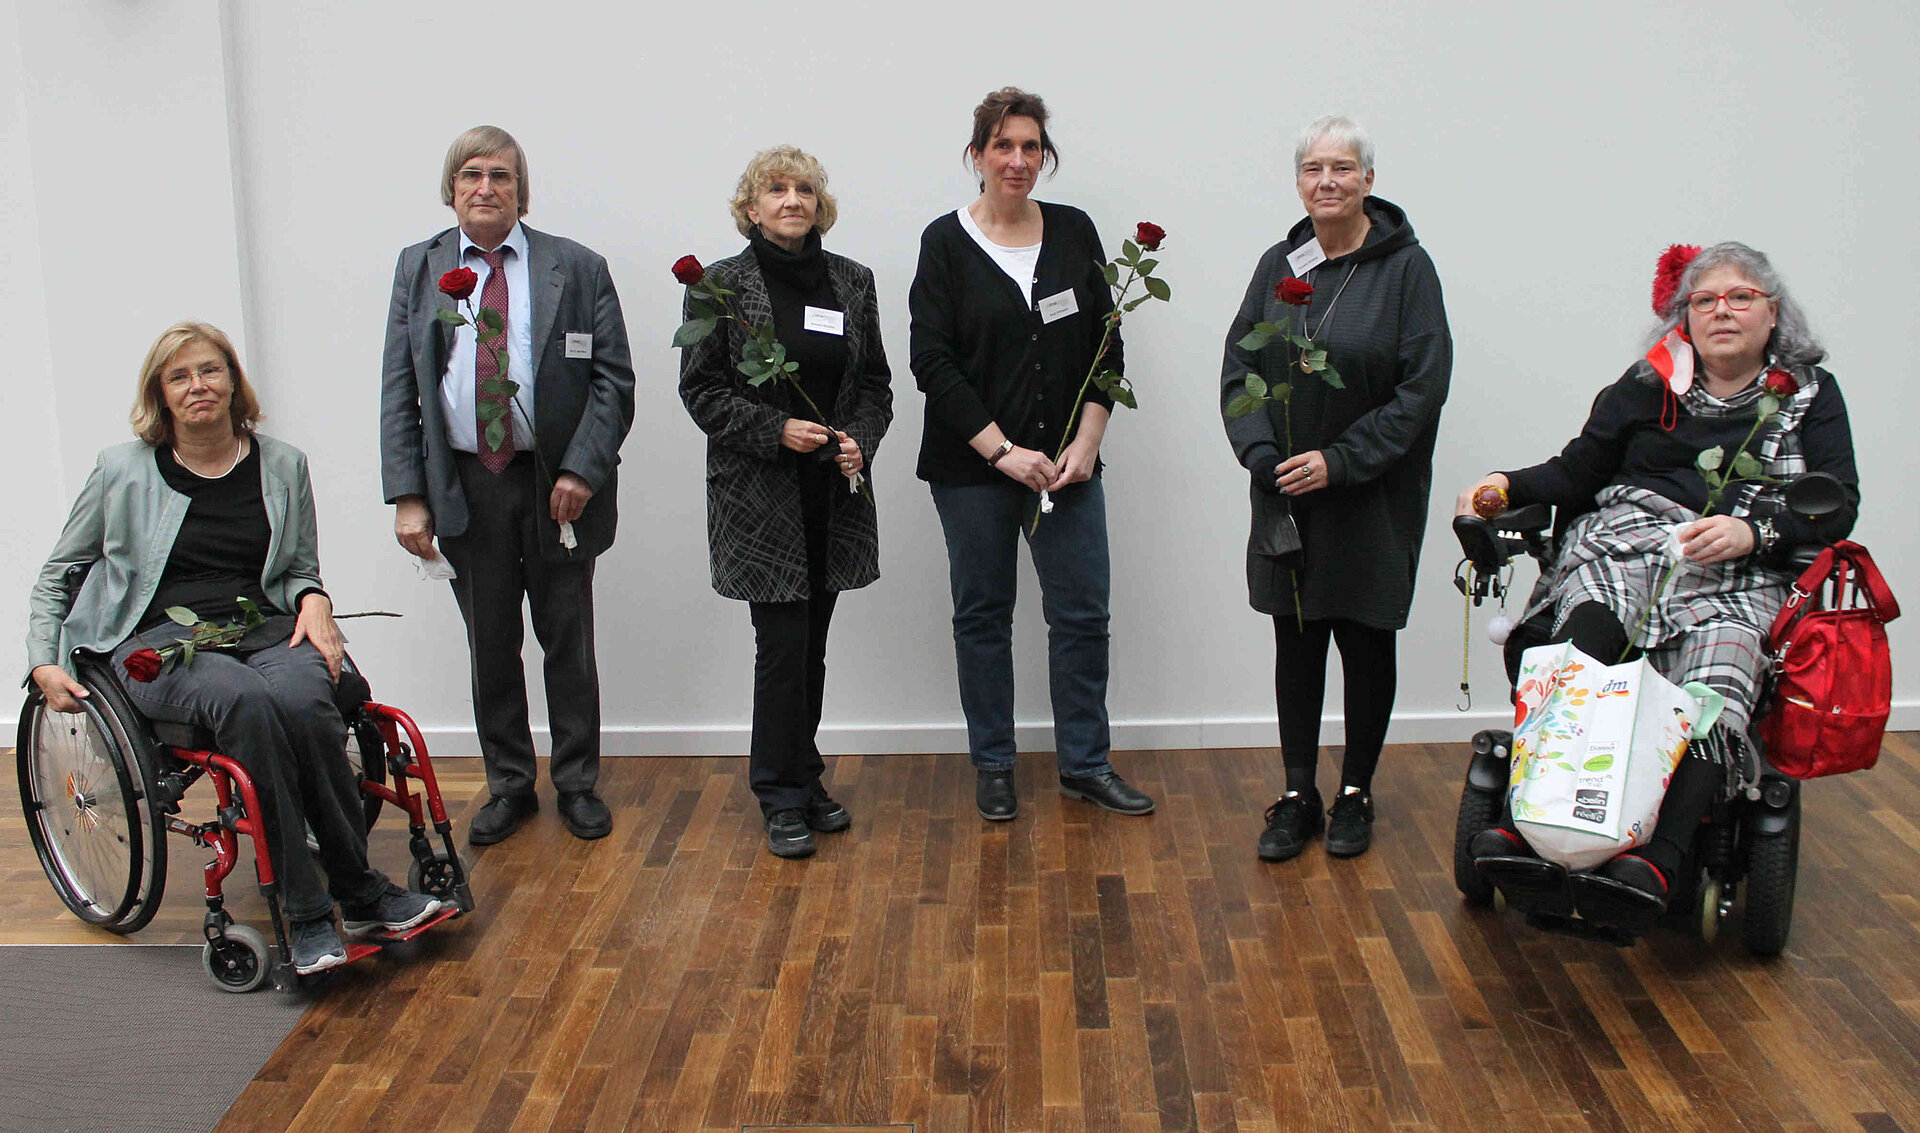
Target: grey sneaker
395	910
315	946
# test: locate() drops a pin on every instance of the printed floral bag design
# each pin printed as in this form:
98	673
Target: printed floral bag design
1594	746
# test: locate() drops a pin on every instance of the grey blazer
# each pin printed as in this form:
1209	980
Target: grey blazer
582	407
755	540
123	526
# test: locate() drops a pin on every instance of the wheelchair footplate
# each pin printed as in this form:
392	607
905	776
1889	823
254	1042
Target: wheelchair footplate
374	941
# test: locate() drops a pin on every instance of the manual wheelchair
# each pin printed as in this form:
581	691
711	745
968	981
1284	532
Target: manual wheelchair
1749	842
101	790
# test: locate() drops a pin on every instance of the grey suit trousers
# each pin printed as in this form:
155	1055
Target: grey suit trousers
498	559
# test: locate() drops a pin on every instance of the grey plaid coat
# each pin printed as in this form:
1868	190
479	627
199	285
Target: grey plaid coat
754	536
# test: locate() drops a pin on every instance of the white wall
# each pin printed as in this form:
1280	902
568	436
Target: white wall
261	165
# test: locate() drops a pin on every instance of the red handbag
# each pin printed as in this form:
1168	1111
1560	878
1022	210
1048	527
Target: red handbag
1833	678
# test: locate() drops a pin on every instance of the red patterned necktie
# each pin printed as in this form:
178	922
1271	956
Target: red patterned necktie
485	368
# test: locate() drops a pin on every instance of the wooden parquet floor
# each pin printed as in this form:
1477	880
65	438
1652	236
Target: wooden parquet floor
1078	971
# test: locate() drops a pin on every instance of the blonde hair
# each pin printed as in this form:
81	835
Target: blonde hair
151	419
484	141
783	161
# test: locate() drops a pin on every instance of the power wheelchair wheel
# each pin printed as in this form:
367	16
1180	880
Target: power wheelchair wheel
238	961
87	793
1773	863
1478	811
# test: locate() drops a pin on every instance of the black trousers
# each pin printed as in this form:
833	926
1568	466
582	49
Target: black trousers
790	668
499	561
1367	664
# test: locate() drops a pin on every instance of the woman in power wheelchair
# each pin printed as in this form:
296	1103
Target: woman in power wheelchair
203	514
1731	346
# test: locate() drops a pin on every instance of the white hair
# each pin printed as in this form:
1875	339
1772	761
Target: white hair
1343	132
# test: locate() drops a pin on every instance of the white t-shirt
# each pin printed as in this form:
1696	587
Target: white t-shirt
1018	263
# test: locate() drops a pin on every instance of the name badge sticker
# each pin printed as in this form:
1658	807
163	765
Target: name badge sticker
825	321
1056	307
579	346
1306	257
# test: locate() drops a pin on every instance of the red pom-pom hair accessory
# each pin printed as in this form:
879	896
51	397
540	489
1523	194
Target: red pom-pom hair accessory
1666	274
1672	356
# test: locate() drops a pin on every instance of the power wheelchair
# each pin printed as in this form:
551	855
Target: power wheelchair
101	790
1747	842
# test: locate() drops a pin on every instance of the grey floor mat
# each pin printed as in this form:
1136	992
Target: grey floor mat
127	1039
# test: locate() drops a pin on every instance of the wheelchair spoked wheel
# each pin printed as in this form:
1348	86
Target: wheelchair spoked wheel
87	797
239	961
367	755
435	878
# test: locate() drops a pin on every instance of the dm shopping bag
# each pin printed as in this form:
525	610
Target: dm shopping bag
1594	746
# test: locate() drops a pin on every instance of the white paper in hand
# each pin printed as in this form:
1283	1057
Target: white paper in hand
436	569
566	536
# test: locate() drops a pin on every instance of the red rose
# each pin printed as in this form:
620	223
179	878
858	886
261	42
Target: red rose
1148	235
1779	383
687	270
1293	292
144	664
459	283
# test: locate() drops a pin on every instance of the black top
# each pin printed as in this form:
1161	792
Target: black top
221	550
796	281
981	353
1387	337
1624	443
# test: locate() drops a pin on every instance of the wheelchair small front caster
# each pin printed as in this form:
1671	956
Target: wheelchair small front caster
238	960
438	877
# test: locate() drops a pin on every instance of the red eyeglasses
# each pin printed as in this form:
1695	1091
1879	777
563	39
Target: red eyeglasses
1738	299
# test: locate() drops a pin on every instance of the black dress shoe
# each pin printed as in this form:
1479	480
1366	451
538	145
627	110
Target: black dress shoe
787	834
585	815
823	814
1108	790
1350	825
502	815
1291	820
993	795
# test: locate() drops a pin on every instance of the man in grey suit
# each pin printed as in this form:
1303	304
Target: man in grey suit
527	510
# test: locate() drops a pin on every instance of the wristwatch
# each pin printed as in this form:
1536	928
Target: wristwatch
1005	448
1768	533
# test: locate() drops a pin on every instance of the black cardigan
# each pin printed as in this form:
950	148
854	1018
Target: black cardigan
981	354
1623	443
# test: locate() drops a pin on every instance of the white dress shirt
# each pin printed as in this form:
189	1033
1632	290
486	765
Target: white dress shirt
457	385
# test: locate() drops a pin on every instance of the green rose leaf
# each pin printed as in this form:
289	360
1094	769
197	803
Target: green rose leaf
1123	396
791	367
490	411
494	387
449	315
186	653
496	432
1112	274
1146	266
1745	464
693	330
701	310
758	380
1769	406
1256	385
1281	392
1129	252
1258	337
1157	287
183	616
491	319
246	604
1132	303
1241	405
1331	376
1710	459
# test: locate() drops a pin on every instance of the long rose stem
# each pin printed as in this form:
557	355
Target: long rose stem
1080	399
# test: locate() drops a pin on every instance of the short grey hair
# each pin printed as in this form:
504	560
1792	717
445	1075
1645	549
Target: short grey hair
1792	342
483	141
1343	132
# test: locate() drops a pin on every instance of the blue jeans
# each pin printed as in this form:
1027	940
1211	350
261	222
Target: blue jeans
983	525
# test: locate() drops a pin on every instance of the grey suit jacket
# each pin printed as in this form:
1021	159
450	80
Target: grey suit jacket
122	529
583	407
754	535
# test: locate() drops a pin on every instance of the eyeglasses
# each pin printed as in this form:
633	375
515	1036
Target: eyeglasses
1738	299
209	373
471	178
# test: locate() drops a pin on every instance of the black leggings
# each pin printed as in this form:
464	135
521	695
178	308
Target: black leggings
1300	689
1596	631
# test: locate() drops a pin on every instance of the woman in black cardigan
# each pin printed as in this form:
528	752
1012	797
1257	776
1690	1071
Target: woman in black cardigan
786	531
1008	307
1352	477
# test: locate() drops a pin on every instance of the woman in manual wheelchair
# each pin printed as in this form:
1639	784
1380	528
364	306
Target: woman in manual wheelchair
202	514
1731	347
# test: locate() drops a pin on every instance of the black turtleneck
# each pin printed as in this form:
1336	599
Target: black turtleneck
796	281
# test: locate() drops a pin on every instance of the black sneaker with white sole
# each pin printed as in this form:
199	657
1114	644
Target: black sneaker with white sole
315	946
395	910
